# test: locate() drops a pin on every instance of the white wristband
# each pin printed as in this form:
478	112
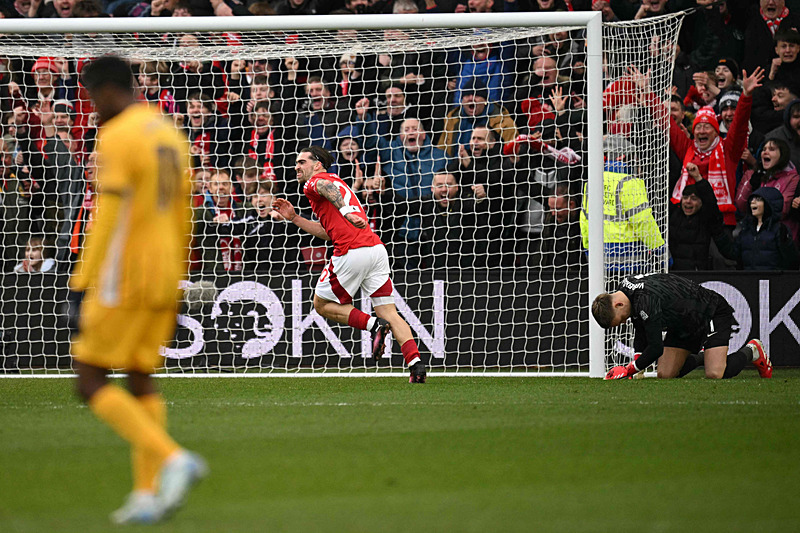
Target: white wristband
344	210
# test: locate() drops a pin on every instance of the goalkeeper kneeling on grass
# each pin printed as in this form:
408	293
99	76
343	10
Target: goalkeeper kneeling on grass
694	319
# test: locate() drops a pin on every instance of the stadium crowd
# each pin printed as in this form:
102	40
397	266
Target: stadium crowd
469	157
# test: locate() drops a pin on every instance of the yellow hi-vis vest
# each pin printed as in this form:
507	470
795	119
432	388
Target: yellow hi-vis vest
627	217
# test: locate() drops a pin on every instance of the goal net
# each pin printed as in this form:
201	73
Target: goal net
466	146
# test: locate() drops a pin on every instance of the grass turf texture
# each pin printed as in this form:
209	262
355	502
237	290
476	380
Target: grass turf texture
457	454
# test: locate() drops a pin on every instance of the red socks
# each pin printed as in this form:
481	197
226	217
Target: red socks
358	319
410	352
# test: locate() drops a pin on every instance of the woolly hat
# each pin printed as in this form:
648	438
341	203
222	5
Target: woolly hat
44	62
475	87
63	106
731	65
706	115
729	99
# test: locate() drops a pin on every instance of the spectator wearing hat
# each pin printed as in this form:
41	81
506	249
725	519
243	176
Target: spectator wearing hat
693	224
763	23
475	110
727	111
774	169
789	131
710	157
51	82
728	73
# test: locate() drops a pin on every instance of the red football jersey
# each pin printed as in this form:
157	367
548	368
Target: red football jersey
345	236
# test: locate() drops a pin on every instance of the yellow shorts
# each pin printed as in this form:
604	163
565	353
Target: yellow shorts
129	339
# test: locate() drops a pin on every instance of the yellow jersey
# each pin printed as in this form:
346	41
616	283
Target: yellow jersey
137	249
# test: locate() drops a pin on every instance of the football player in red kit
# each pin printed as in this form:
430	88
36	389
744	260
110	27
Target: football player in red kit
359	258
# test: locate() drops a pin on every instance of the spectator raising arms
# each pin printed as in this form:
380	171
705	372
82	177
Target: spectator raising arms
710	157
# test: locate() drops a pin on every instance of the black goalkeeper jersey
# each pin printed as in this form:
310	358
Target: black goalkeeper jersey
666	302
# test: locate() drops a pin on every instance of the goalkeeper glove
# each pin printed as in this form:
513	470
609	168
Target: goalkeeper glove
622	372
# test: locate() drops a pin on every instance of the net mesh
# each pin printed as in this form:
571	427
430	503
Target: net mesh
466	149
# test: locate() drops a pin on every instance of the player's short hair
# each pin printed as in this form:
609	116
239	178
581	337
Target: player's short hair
603	310
319	154
108	70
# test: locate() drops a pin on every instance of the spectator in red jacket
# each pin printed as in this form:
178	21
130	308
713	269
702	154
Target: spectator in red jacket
710	157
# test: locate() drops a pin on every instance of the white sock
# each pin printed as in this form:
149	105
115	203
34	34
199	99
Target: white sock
371	323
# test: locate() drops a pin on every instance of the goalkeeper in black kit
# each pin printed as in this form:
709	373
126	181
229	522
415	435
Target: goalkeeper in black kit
694	319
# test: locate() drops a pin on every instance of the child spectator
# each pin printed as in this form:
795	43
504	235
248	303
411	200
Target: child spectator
764	242
37	257
267	240
775	170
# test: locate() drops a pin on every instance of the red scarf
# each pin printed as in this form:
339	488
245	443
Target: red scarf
717	175
774	24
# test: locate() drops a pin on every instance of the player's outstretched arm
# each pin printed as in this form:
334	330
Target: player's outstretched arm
286	210
331	192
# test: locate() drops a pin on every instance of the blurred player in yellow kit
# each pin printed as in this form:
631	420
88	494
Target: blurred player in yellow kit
124	291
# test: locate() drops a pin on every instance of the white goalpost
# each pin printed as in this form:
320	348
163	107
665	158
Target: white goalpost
474	142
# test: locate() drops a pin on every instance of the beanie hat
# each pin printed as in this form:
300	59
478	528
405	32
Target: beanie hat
706	115
46	63
732	65
476	87
728	99
63	106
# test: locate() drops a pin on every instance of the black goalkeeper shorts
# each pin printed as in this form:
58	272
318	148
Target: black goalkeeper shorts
717	333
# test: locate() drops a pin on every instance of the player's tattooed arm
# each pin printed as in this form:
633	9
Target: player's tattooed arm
330	192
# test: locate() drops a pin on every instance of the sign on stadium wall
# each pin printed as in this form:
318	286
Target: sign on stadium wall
463	319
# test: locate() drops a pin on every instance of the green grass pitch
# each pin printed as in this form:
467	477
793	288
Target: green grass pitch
455	455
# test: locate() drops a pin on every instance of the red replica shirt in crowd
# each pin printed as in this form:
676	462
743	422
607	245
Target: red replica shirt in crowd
345	236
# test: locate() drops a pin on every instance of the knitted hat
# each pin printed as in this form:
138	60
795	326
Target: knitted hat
63	106
732	65
729	99
475	87
706	115
44	62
